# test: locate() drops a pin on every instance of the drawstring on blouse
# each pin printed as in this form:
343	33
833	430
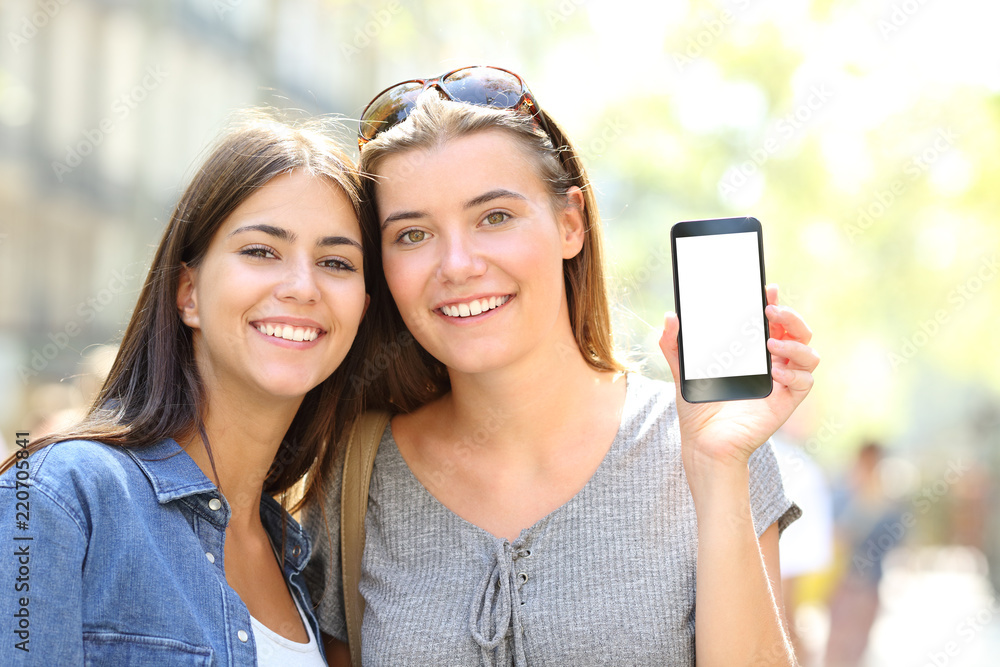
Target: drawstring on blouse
496	609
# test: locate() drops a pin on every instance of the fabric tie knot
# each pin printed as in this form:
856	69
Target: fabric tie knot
496	609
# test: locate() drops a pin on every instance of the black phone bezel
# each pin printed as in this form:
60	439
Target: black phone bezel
730	388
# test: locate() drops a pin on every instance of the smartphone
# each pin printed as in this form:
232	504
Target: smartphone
719	297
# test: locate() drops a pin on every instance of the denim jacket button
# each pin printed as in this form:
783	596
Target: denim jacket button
210	557
296	551
215	504
242	635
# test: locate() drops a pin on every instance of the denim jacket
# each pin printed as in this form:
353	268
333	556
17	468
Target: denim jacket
114	556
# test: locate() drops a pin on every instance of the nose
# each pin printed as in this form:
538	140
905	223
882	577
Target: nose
298	282
460	260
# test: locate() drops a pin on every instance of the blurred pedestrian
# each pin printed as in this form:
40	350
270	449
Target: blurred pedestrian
868	526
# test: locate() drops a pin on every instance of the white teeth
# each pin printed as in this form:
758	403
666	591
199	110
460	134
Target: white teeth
288	333
474	307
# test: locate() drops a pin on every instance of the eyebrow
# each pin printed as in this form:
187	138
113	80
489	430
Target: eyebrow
402	215
289	237
499	193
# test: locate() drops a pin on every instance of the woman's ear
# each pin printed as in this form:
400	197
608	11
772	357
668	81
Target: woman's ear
573	223
187	297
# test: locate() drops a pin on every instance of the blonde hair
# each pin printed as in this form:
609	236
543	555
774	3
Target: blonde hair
412	377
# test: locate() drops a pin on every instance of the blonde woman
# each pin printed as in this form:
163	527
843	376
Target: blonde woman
531	502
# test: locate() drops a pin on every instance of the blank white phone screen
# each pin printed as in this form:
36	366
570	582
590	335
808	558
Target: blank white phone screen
721	312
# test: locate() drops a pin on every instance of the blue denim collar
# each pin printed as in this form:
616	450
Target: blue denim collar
171	471
174	475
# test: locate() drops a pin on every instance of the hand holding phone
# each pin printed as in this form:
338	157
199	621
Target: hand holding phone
719	296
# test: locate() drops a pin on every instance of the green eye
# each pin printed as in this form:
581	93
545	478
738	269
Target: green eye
495	218
415	236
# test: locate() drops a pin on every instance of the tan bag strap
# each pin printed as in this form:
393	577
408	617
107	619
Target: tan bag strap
359	458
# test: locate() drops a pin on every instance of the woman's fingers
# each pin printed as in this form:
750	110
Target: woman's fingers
793	379
793	354
791	323
668	344
792	363
771	291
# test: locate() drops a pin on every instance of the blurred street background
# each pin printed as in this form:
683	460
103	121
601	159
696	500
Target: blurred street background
864	135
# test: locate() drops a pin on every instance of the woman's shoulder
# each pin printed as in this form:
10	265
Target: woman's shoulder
77	467
648	398
66	455
648	385
649	433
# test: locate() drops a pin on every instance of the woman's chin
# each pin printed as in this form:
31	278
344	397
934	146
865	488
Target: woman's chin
475	364
283	388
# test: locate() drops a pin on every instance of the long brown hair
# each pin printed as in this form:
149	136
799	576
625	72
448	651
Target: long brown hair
153	390
412	376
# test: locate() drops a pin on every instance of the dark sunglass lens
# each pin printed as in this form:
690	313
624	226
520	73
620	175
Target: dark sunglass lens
390	108
484	86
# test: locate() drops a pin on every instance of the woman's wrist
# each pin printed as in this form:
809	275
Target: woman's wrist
717	484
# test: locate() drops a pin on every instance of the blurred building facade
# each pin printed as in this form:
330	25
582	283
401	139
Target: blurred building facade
104	107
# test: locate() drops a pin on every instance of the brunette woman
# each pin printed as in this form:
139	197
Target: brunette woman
150	531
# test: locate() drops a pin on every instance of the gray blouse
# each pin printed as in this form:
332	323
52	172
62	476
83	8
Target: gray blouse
606	579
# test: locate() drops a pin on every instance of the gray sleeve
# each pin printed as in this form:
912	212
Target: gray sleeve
321	519
768	502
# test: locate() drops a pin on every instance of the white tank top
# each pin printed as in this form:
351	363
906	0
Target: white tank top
273	650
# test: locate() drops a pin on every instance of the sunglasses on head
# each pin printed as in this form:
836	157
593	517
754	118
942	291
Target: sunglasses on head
482	85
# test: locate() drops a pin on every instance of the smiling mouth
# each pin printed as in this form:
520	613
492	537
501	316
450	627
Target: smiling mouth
287	332
474	307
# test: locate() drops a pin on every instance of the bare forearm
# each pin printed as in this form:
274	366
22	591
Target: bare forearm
737	618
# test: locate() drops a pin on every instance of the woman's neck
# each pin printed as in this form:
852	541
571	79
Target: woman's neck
530	408
244	436
505	448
